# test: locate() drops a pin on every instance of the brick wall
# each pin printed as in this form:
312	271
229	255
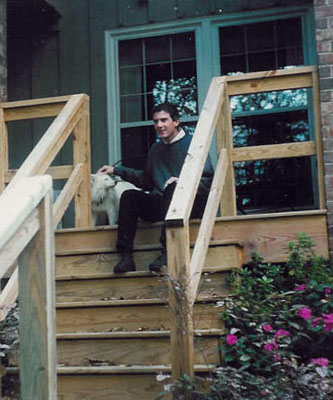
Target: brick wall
324	36
3	68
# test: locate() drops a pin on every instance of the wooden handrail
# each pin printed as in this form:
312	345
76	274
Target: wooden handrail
73	117
216	115
27	208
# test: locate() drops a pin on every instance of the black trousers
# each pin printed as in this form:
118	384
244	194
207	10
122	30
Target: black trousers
135	204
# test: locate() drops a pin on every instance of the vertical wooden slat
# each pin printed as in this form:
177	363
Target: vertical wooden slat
181	324
318	138
81	154
3	150
38	376
224	134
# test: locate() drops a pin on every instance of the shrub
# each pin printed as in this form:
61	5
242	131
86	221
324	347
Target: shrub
279	323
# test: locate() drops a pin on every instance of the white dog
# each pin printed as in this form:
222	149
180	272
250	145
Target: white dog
105	196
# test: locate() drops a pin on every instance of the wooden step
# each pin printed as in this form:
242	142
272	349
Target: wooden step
222	255
128	315
134	348
122	382
128	348
133	285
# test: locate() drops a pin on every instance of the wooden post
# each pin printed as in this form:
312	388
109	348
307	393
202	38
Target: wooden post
3	150
81	154
181	324
38	376
318	140
224	134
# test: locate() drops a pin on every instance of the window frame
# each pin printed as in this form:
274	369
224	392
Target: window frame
206	30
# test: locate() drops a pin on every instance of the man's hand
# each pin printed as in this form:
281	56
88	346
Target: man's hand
170	180
106	169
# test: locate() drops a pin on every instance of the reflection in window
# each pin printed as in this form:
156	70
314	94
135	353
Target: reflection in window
154	70
274	185
256	130
269	100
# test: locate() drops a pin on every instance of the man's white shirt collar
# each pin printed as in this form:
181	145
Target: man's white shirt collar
179	136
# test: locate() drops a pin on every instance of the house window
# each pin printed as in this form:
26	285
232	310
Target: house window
269	117
151	71
262	46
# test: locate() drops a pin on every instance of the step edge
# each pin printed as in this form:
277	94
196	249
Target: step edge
130	302
118	369
133	334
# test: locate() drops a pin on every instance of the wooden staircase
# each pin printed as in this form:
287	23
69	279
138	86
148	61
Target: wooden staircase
113	330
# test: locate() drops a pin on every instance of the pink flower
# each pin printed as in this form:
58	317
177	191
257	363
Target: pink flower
305	313
323	362
281	333
267	328
300	288
328	319
328	291
231	339
316	321
270	346
277	357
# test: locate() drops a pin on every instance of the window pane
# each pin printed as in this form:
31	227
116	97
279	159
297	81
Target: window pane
260	36
131	80
130	52
157	49
135	143
262	61
276	128
274	185
132	108
183	46
157	73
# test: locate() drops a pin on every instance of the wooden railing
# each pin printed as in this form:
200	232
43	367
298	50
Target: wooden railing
72	117
184	268
27	233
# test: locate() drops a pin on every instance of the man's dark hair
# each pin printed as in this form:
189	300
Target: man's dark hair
167	107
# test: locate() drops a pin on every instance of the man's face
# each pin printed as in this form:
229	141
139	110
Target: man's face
165	126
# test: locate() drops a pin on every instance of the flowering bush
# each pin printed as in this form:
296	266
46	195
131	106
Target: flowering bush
280	312
279	340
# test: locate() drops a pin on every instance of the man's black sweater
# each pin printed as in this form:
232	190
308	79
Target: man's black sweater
164	161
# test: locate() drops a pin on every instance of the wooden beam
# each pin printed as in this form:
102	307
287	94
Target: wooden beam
48	147
67	193
207	224
16	244
182	201
33	111
3	150
181	318
318	140
256	82
17	204
57	172
81	155
228	204
38	376
9	295
267	152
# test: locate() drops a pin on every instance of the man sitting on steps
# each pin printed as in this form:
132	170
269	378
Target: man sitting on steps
164	163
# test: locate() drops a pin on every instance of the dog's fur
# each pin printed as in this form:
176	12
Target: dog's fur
105	196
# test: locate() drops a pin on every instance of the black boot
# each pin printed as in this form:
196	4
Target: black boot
159	263
126	264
